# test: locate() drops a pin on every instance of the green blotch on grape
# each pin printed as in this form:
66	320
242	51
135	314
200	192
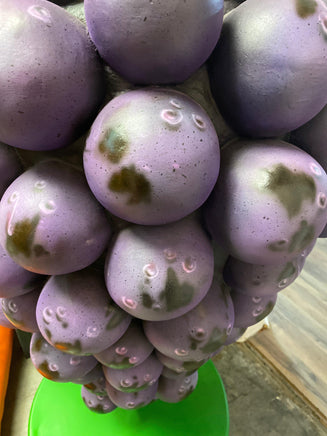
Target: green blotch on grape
134	387
305	8
278	246
44	369
115	319
124	363
39	250
302	238
21	239
48	334
176	294
129	181
147	300
193	345
192	366
215	341
266	312
114	145
97	409
287	272
37	345
74	348
291	188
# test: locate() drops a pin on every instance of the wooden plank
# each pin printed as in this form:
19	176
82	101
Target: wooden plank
296	342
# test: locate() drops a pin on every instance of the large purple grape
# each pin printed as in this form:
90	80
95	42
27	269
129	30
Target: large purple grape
51	79
56	365
152	41
75	313
268	71
270	201
50	223
21	310
130	350
152	156
160	272
198	333
136	378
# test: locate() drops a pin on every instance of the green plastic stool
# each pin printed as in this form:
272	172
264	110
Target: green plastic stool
58	409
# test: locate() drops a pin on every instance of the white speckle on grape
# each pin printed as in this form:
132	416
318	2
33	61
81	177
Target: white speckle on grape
90	403
198	333
40	13
14	197
181	390
257	311
89	241
175	103
152	382
315	169
47	314
75	360
187	380
229	329
282	283
61	312
171	116
170	254
40	184
125	383
322	200
100	397
180	352
189	265
199	121
12	306
130	404
147	377
47	207
150	270
256	299
53	367
121	351
128	302
92	332
133	360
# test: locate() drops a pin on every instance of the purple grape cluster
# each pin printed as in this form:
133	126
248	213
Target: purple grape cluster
137	262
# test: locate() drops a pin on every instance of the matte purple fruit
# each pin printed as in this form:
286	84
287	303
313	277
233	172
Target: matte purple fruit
151	42
152	156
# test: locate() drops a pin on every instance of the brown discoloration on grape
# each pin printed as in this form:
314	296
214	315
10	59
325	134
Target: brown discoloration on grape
302	238
37	345
287	272
129	181
21	239
175	294
39	250
305	8
147	300
90	386
67	346
192	366
115	319
48	334
44	370
114	145
216	340
278	246
291	188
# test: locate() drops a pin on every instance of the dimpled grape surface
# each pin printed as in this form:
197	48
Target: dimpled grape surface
152	156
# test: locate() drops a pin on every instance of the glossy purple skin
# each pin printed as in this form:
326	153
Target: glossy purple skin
10	166
161	272
21	310
137	378
260	280
4	321
15	280
200	332
152	156
130	350
251	310
174	391
51	78
98	403
50	223
269	68
55	365
150	42
270	201
132	400
76	315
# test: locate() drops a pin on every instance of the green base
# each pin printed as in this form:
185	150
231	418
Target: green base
58	409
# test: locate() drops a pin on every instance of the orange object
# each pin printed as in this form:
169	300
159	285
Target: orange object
6	341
